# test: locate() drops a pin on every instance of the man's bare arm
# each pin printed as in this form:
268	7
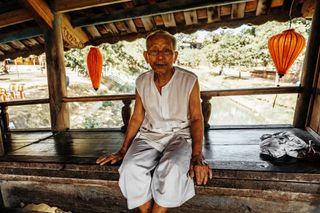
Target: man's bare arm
133	127
198	167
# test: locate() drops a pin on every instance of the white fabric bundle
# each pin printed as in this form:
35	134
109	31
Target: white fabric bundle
283	143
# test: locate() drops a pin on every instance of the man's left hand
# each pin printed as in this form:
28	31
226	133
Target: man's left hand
200	169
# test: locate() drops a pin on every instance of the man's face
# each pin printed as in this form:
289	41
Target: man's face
160	54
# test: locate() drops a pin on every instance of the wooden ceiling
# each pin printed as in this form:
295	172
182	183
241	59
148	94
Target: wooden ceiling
92	22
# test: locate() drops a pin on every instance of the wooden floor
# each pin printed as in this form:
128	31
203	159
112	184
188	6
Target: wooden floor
235	149
60	170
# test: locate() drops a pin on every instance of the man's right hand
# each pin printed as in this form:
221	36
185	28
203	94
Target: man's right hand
112	158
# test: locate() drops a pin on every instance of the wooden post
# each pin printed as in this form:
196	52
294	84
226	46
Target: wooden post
126	113
206	111
4	122
308	71
57	86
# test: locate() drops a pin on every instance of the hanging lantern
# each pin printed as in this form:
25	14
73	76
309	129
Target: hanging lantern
284	49
94	62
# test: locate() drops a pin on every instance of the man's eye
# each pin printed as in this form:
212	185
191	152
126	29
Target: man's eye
167	52
153	52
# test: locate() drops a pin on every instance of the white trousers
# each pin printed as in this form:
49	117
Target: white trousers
169	185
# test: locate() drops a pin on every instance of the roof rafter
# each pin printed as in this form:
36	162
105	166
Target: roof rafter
62	6
282	17
151	10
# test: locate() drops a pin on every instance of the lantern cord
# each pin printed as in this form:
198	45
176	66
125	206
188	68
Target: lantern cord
278	85
290	17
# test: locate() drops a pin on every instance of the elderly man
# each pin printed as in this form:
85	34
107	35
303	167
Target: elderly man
162	149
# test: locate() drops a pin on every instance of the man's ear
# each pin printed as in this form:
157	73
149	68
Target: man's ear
146	57
175	56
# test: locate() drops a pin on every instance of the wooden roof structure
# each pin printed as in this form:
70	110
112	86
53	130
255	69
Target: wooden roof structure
23	23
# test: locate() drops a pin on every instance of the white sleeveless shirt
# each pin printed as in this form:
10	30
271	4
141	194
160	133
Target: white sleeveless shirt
166	114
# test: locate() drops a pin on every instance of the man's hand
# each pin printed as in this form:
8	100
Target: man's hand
200	169
112	158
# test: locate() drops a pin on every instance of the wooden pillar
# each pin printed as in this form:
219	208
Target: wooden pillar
59	112
308	71
206	111
126	113
4	126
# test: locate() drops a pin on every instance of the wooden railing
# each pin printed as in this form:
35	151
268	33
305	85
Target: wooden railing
127	100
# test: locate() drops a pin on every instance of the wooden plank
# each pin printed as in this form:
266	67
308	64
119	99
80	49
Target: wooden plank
147	23
308	8
263	7
20	35
40	11
158	20
138	22
113	28
104	29
14	17
63	6
131	26
122	26
202	13
151	10
213	14
179	17
18	45
6	48
168	20
238	10
225	10
277	3
251	6
308	71
56	77
93	31
191	17
30	42
40	39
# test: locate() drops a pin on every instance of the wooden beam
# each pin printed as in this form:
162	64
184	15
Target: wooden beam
14	17
308	72
151	10
63	6
23	53
20	35
57	86
40	11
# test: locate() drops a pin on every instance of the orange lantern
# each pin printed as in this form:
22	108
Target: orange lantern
94	62
284	49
